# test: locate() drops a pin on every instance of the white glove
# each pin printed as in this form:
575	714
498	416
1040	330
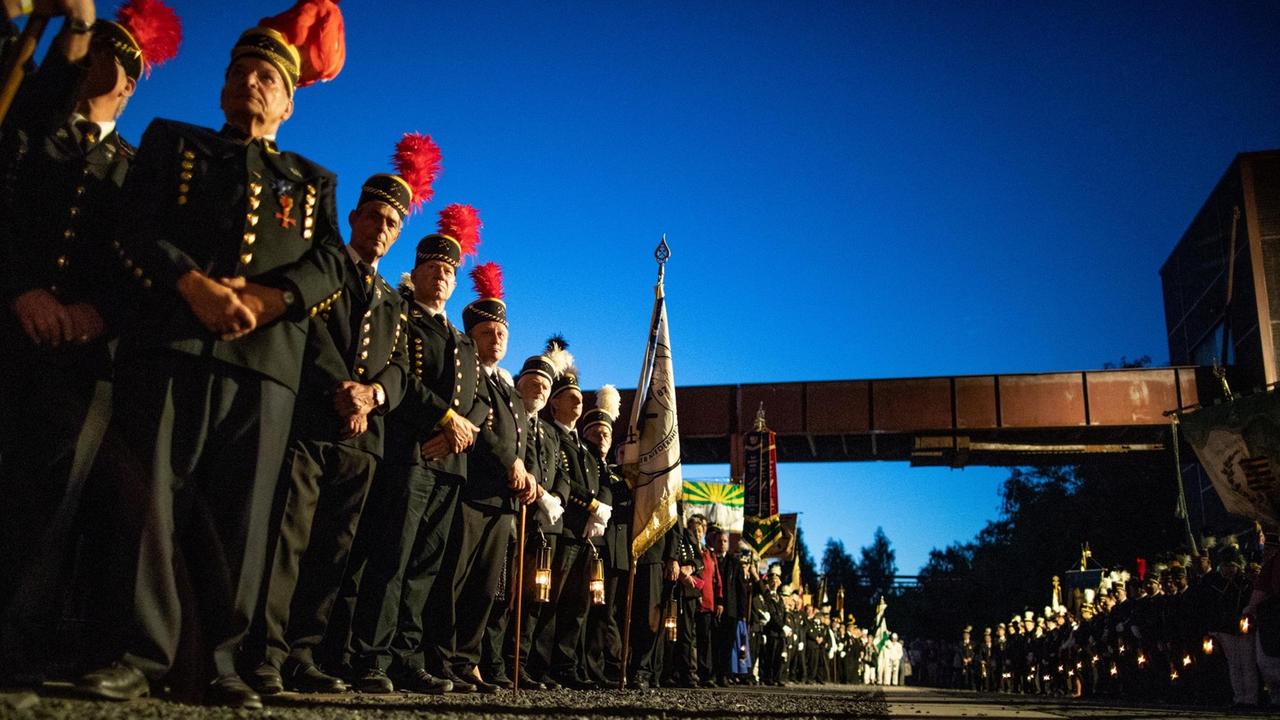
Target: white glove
595	530
765	614
786	630
801	647
602	513
550	509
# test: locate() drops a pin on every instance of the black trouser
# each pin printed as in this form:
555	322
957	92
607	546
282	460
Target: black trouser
647	633
476	560
684	668
56	407
325	485
409	517
537	628
604	640
706	631
205	443
569	595
723	638
771	658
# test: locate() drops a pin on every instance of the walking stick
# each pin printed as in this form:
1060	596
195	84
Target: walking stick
519	598
626	631
15	63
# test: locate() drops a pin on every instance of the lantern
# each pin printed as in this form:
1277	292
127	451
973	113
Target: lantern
1121	648
1244	625
1207	645
1114	670
1186	660
542	575
1142	659
595	586
669	619
1173	675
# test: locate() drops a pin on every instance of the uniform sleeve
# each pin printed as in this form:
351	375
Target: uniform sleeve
498	435
47	98
145	247
395	375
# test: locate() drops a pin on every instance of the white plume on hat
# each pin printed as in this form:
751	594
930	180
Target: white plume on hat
559	359
609	401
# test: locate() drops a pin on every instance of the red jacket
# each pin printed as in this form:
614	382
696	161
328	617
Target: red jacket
712	584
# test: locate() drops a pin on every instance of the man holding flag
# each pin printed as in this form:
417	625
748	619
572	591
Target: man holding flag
651	465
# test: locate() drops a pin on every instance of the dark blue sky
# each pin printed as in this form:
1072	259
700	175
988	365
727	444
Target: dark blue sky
850	189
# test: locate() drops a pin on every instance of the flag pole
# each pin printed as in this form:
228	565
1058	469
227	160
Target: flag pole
626	631
661	254
15	60
519	599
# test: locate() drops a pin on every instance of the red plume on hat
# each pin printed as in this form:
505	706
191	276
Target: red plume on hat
462	223
487	279
155	27
315	27
417	160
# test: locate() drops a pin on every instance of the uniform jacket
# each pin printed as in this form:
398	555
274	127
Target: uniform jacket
503	437
60	204
617	535
542	459
360	337
444	375
584	485
197	199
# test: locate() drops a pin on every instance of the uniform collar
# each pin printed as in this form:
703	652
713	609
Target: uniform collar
105	127
355	257
432	313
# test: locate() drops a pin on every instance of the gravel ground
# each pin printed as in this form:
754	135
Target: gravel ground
736	703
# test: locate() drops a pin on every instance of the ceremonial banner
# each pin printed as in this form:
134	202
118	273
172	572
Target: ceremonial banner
719	502
760	469
773	537
1238	443
762	528
651	454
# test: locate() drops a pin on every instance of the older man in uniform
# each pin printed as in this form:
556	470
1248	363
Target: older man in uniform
586	515
604	635
418	484
62	164
236	243
355	372
543	528
496	483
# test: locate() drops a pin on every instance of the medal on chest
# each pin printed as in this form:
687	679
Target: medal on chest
283	190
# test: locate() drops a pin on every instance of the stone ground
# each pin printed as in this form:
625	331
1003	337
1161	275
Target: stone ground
782	703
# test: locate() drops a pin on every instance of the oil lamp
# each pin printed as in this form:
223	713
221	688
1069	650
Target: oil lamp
542	574
595	586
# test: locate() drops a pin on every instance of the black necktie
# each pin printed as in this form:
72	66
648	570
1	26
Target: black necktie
88	134
366	277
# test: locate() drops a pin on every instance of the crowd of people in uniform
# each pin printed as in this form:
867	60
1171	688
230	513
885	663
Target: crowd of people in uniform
233	452
1197	629
237	461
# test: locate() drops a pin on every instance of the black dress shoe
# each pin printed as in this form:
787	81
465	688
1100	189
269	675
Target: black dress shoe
501	681
574	683
527	682
230	691
266	679
549	683
373	681
118	681
423	682
311	679
461	685
484	687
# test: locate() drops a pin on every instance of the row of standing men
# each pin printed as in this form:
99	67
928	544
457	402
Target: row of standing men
241	453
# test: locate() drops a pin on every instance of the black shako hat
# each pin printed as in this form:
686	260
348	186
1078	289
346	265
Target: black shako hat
489	305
